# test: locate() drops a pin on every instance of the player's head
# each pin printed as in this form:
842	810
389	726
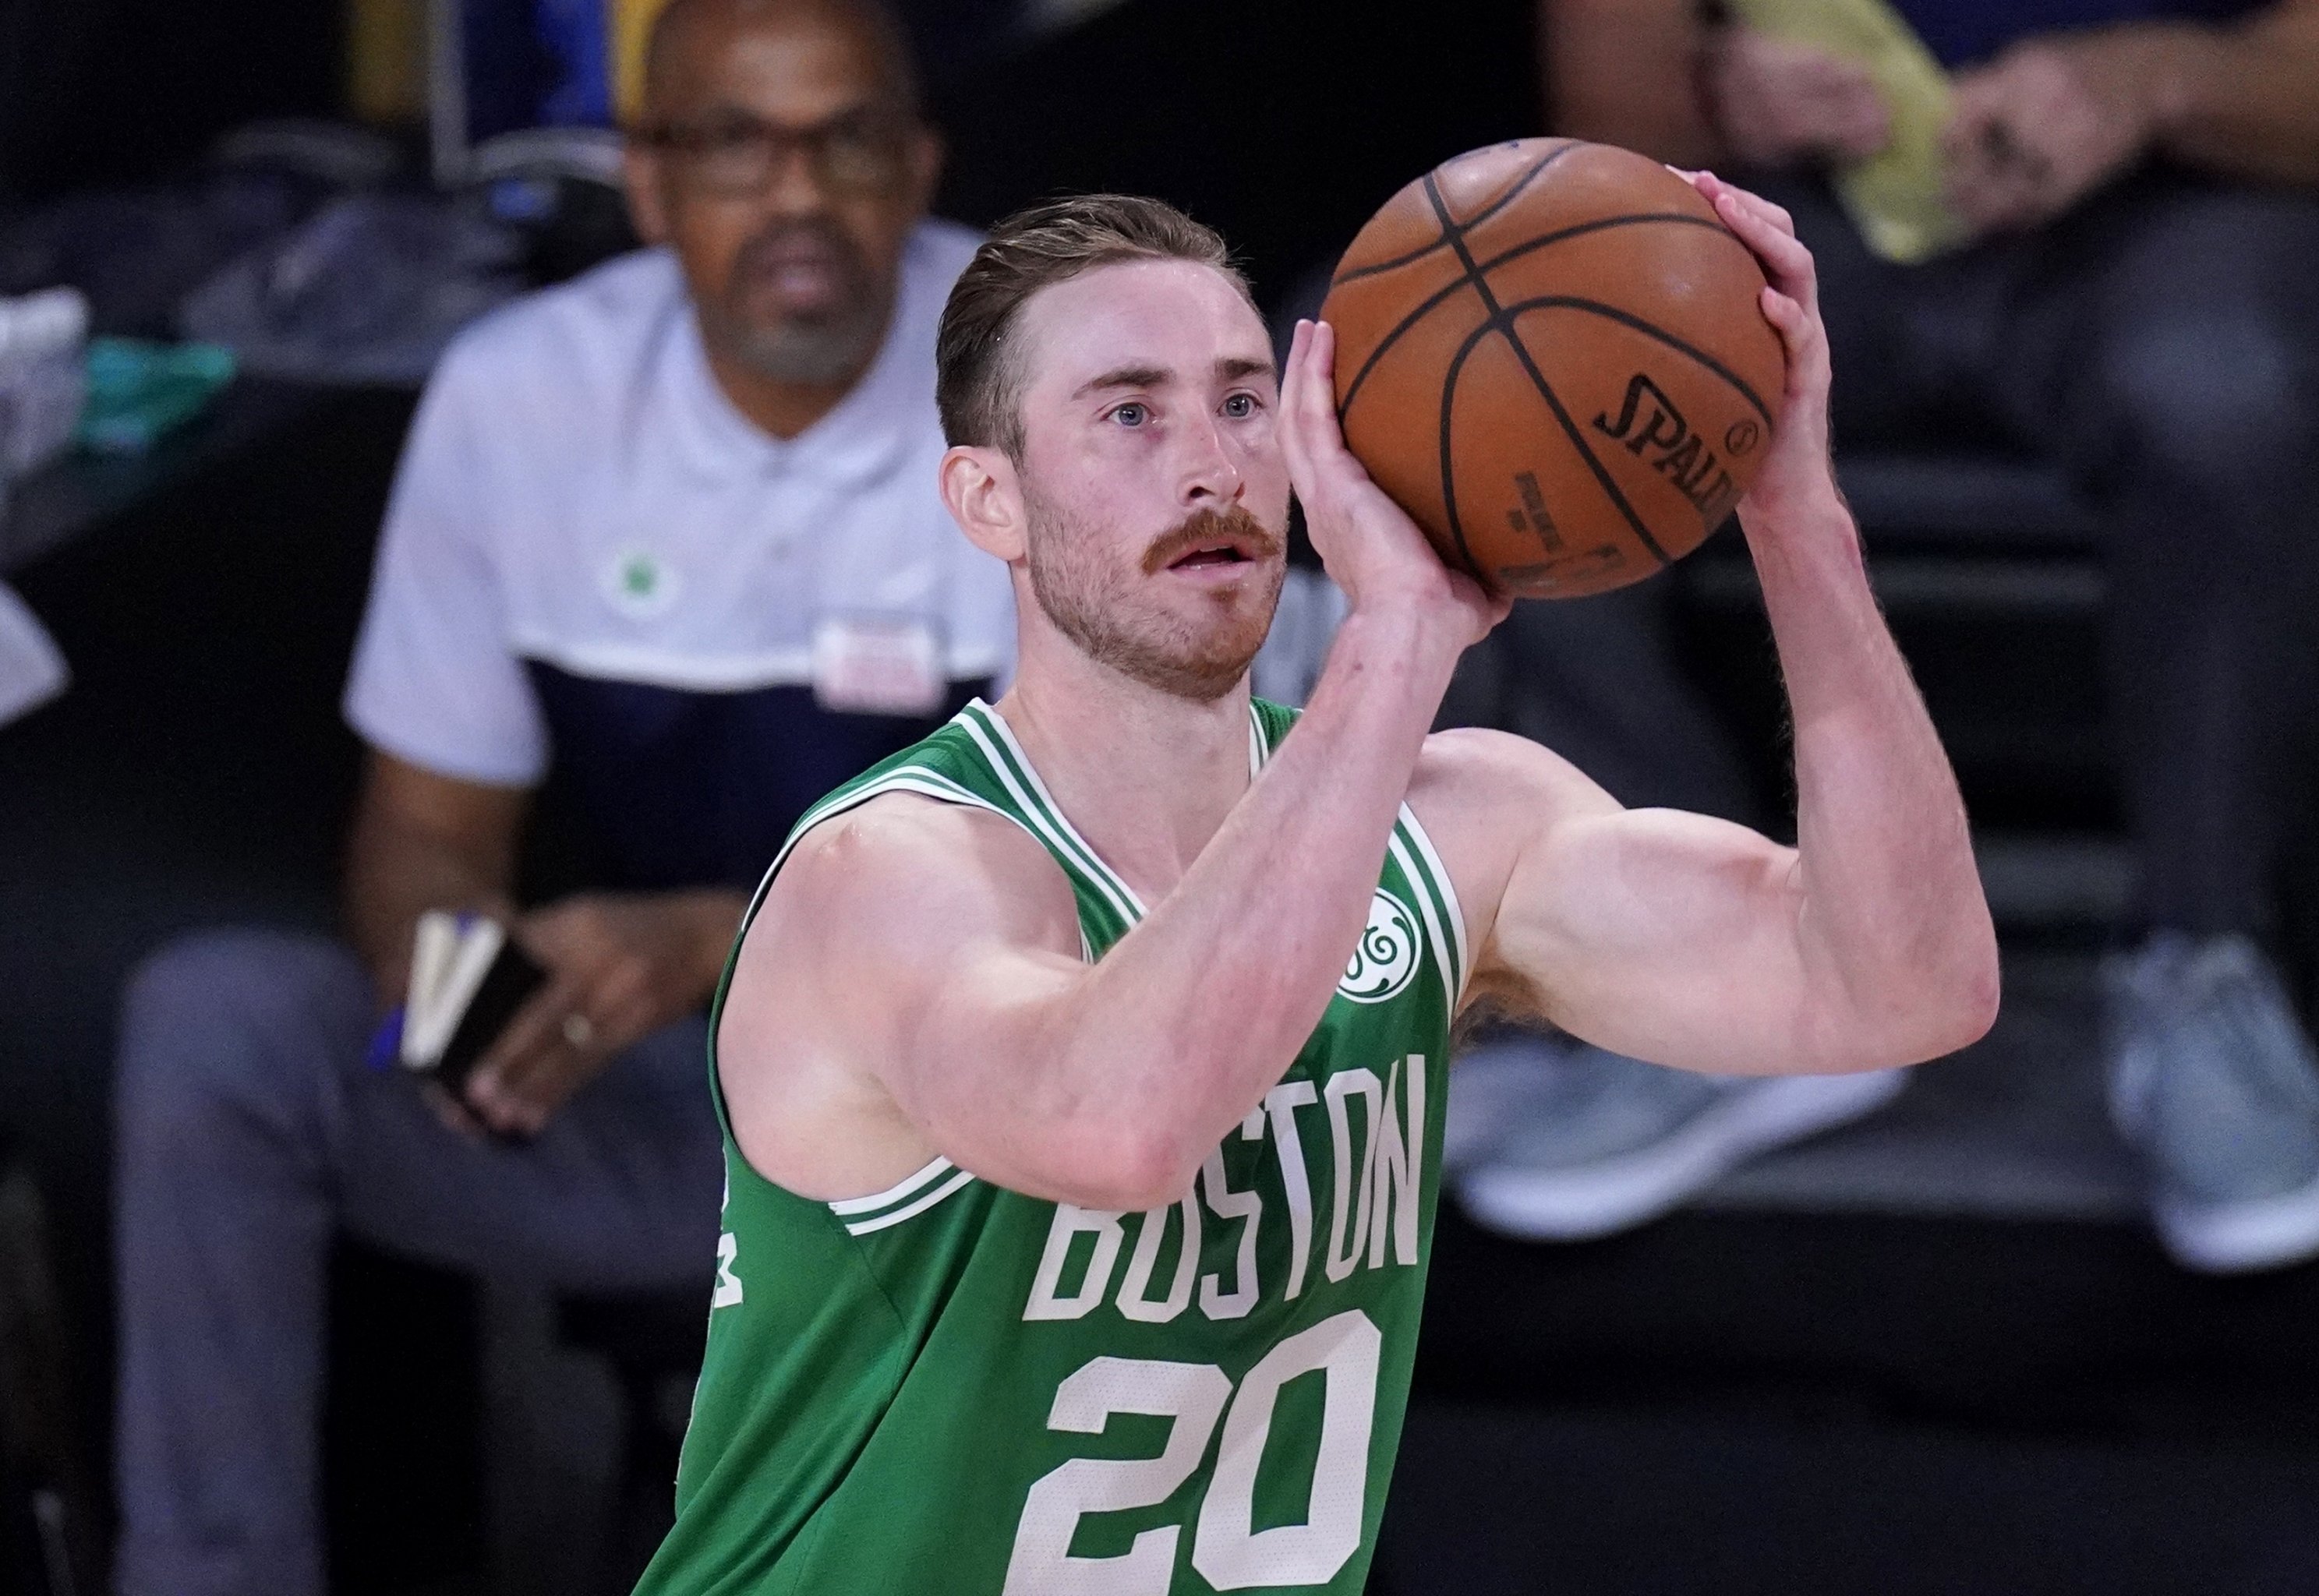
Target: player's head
782	153
1108	393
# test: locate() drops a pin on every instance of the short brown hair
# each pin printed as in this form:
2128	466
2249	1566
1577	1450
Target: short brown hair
977	383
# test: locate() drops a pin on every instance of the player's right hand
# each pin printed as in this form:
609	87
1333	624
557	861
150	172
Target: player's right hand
1371	547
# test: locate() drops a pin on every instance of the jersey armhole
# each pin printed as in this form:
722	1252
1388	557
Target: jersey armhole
940	1178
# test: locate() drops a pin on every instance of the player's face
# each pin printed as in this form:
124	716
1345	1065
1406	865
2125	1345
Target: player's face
788	175
1152	480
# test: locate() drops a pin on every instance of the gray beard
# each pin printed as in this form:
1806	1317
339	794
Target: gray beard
810	355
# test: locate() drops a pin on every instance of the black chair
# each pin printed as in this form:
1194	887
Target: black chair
652	1342
48	1523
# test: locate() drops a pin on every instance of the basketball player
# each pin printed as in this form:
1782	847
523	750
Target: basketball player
1082	1066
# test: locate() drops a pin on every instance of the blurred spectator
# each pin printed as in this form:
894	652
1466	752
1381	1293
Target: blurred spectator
673	528
2136	302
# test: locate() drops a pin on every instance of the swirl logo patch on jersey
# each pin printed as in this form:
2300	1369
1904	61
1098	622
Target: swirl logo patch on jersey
1386	958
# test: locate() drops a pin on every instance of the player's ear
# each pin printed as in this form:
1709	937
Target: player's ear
980	488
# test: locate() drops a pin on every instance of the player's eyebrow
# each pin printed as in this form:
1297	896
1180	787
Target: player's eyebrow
1233	367
1125	377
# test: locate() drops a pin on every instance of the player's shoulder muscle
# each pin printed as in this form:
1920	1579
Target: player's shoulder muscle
1483	797
872	912
905	875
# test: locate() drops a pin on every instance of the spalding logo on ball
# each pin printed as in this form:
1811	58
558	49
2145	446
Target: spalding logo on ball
1553	354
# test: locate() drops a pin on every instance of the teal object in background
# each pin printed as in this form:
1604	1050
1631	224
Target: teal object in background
140	391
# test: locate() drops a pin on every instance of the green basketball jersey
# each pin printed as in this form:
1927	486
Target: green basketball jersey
949	1389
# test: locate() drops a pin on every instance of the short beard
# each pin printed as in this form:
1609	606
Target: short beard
807	352
1094	606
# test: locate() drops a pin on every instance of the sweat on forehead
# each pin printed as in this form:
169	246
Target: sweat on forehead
687	35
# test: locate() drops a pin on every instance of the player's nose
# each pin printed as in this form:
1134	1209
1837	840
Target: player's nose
1211	475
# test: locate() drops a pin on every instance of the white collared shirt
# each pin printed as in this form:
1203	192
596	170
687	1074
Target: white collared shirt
578	493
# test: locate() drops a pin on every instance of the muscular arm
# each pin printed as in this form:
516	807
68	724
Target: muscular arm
950	987
1692	942
937	955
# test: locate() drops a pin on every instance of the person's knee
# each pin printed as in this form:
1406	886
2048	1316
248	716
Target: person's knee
222	1017
2218	392
2207	367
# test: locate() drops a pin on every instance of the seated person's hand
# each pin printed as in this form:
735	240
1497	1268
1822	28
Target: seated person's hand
1778	104
2041	127
619	967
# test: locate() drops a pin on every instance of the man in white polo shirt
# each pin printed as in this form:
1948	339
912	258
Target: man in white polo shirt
665	539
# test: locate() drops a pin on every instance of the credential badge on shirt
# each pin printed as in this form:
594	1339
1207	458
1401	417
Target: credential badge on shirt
877	664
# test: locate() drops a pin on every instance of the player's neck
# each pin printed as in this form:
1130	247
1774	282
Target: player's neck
1146	777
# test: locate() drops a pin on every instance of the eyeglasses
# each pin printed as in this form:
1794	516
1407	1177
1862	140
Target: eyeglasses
735	153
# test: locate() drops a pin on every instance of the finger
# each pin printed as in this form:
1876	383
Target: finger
1756	205
534	1034
520	1082
1319	436
1718	190
547	1089
1789	320
1320	369
1785	257
449	1112
1293	380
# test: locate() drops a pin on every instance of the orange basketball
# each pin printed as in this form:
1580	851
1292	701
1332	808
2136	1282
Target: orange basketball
1553	354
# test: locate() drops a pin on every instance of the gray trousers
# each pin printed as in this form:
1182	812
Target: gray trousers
250	1131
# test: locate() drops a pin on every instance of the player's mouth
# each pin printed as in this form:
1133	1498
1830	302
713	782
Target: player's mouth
1212	546
1218	553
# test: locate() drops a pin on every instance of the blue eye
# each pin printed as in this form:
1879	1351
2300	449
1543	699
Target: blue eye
1240	406
1129	415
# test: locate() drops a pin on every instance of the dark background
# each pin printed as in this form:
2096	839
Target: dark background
1740	1398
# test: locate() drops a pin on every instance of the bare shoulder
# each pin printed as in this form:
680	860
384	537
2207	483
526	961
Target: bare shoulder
1483	796
866	915
1498	784
902	867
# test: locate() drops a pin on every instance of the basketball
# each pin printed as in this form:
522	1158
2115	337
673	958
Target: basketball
1553	355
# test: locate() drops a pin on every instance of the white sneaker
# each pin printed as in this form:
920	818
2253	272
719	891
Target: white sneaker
1602	1142
2214	1083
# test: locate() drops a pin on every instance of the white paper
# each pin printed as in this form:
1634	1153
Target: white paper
450	956
32	671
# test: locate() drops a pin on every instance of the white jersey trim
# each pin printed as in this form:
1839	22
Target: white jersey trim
1439	874
958	1182
892	1194
1042	808
926	783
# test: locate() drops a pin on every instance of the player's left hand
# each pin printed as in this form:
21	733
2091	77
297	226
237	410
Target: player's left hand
620	966
1796	471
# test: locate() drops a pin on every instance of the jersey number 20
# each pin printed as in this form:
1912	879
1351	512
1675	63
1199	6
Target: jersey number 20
1227	1549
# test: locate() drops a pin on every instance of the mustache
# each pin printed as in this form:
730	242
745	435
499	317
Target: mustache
1206	527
